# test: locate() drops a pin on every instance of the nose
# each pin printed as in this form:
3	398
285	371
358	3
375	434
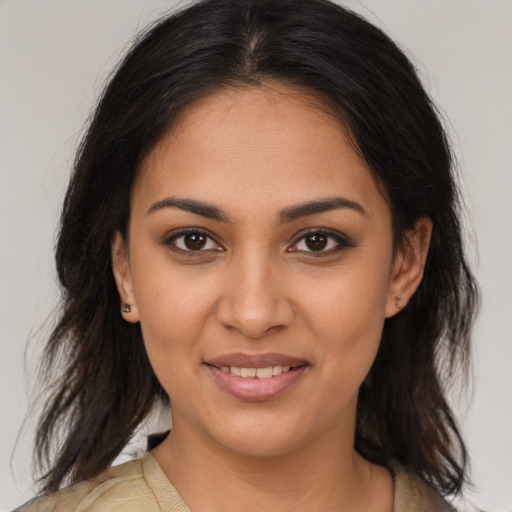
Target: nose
254	301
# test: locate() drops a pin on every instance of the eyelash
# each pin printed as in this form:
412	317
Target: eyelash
170	242
342	242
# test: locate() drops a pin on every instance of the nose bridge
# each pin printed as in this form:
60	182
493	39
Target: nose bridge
255	299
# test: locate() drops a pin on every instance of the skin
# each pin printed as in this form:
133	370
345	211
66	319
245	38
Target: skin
257	287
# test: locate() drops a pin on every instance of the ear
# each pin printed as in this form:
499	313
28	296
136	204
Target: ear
408	266
123	278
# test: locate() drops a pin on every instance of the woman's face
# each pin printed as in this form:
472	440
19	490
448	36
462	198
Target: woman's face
259	263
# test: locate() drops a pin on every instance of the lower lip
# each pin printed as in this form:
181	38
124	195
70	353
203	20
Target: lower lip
253	389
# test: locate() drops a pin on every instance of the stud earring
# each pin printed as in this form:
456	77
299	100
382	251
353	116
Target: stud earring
398	298
126	308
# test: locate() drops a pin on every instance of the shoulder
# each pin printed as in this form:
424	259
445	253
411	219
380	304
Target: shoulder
123	488
413	495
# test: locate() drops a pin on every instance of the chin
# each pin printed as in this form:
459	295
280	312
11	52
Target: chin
262	437
262	445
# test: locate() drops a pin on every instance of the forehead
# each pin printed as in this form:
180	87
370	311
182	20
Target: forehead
254	142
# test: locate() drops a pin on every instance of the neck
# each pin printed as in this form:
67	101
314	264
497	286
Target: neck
326	474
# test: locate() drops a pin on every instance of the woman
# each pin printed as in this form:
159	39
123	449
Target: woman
261	231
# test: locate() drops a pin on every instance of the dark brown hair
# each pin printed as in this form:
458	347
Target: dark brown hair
107	387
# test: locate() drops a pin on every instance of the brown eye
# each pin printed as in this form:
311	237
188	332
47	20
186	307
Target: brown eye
321	243
195	241
316	242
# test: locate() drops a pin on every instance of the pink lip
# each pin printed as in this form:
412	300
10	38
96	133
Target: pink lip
255	360
254	389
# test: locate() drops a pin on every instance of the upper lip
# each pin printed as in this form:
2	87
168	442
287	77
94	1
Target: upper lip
255	360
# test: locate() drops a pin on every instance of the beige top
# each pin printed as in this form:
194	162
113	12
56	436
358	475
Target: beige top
141	485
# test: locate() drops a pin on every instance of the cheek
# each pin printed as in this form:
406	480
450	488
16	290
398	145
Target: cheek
172	317
171	299
347	315
349	301
173	311
176	309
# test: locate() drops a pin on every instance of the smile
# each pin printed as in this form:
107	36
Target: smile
256	377
258	373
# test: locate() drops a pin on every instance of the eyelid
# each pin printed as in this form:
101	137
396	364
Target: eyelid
170	238
343	241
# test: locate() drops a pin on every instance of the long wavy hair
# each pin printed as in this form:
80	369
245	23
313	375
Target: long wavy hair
102	383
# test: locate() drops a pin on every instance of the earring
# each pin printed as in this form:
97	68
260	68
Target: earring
398	298
126	308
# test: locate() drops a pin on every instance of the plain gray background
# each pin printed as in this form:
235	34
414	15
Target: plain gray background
54	58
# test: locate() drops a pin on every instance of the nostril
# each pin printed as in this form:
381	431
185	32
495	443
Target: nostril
253	301
253	320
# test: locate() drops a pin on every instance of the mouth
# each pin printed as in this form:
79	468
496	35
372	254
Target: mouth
257	361
256	377
266	372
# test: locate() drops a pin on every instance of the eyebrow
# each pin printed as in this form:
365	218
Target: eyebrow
320	206
285	216
190	205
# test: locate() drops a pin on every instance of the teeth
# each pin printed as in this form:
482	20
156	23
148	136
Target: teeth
264	373
260	373
247	372
277	370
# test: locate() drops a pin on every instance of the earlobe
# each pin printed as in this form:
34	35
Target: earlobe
123	279
409	265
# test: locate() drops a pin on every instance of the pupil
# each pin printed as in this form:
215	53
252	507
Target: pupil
316	242
195	241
